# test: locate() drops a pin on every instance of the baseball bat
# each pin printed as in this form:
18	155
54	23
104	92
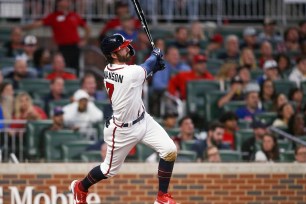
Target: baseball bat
143	21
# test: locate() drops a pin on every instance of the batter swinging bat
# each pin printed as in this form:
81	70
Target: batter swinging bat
143	21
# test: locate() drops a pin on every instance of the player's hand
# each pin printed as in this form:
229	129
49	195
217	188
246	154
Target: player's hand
158	53
161	64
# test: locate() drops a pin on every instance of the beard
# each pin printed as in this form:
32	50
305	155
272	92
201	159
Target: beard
124	58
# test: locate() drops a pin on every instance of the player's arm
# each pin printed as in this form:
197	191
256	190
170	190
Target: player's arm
154	63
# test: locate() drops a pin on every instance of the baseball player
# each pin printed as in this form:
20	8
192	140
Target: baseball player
130	122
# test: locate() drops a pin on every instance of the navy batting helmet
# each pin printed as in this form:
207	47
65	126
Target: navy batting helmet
115	43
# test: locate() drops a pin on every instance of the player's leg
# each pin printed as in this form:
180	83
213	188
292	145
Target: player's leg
157	138
119	143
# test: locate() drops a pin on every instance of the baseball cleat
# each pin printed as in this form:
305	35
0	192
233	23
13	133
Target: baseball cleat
164	198
79	197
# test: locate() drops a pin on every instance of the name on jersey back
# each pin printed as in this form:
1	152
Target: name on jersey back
113	76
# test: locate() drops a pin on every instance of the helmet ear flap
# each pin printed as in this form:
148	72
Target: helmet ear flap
132	50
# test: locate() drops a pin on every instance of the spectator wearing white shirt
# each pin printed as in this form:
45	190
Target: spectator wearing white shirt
299	72
82	113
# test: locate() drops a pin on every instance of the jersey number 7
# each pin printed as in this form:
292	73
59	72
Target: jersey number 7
109	89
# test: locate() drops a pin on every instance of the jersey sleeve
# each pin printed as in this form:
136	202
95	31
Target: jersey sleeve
81	21
138	75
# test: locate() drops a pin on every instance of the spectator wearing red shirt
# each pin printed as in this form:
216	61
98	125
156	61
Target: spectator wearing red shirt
58	66
230	122
121	9
177	84
64	24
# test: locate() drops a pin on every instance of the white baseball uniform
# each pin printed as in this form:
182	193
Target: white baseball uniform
124	86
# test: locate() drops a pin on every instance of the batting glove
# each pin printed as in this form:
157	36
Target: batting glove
158	53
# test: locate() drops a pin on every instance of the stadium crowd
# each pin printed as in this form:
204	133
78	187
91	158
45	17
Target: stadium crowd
260	77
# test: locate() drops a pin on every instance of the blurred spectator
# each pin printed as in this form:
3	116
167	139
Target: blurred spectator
298	73
212	154
266	52
160	43
291	38
196	32
161	79
186	132
82	113
121	9
249	148
7	100
300	154
230	122
252	101
296	96
58	120
227	71
64	24
14	46
249	39
269	33
181	37
29	48
267	92
214	138
193	49
216	43
1	77
20	72
56	92
284	113
232	49
142	43
270	69
247	58
178	83
244	74
42	61
296	125
234	93
128	30
89	84
302	29
169	120
25	110
58	66
284	65
280	100
269	150
173	66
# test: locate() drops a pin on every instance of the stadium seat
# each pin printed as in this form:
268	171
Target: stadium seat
161	33
244	124
71	86
53	104
54	140
7	62
283	86
34	137
233	106
173	132
186	156
256	73
266	117
143	152
91	156
188	145
213	66
230	156
196	91
284	145
241	136
105	107
99	126
40	86
287	156
72	151
212	111
303	86
267	106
